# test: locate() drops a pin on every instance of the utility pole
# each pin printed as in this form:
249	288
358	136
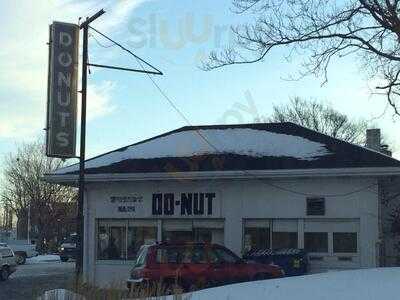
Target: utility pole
29	224
85	27
80	216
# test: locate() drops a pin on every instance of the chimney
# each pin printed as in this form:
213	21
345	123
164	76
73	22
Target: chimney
374	139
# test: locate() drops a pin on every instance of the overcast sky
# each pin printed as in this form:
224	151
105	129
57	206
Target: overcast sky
124	108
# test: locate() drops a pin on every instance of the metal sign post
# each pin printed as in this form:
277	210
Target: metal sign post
63	59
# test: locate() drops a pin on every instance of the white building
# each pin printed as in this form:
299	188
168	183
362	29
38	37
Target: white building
248	186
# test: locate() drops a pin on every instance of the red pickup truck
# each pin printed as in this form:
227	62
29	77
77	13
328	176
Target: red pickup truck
192	266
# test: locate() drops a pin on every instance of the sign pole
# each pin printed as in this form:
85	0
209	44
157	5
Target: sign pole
80	216
61	124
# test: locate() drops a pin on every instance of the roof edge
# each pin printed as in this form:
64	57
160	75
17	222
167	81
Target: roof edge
71	179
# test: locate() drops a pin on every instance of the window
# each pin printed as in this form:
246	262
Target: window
6	253
225	256
196	255
273	234
257	235
111	240
316	242
177	230
138	236
199	256
345	242
141	259
176	255
209	231
168	256
122	239
315	206
284	233
203	235
70	240
282	240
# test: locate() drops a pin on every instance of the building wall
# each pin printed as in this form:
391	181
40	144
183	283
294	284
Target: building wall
239	200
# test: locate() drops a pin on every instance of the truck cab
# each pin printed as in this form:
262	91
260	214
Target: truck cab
68	248
8	263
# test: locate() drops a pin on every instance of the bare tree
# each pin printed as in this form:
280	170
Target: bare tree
24	188
321	29
320	117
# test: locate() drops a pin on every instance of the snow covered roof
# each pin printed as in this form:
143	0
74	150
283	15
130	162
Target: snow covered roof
270	146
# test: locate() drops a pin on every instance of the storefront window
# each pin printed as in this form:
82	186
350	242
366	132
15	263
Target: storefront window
282	240
177	231
284	234
203	235
138	236
102	241
111	240
256	238
345	242
121	239
117	243
207	231
256	235
178	236
316	242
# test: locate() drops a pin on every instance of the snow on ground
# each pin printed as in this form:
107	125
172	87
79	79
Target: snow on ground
43	269
365	284
43	259
243	141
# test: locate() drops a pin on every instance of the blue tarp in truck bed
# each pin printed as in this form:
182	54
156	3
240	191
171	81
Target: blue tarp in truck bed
292	261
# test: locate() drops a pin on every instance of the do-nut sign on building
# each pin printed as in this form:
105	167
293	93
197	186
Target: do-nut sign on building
62	90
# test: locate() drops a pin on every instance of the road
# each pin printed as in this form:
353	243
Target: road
32	280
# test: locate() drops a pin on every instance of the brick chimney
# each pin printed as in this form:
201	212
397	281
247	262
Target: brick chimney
374	139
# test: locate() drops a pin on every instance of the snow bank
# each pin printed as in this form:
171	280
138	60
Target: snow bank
42	259
243	141
366	284
60	294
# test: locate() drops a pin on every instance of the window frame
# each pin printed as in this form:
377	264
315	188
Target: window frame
327	243
272	223
125	221
250	222
273	236
345	253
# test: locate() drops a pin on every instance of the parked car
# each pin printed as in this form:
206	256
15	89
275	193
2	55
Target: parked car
22	250
8	264
293	261
67	248
191	266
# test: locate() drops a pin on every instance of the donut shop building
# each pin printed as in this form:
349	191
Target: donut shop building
275	185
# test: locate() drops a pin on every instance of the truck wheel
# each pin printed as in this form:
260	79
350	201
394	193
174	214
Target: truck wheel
64	258
20	258
4	274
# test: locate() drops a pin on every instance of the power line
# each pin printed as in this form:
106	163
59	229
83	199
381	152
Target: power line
204	138
101	44
125	49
